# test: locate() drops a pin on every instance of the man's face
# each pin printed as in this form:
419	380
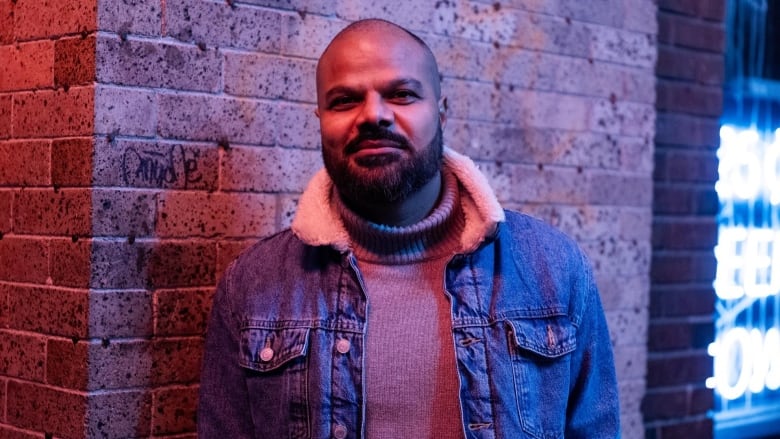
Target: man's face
380	118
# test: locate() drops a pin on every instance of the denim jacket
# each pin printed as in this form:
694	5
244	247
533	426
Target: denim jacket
284	349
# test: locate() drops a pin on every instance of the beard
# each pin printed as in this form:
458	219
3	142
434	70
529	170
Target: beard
383	179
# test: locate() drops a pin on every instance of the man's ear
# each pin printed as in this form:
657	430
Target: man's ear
443	110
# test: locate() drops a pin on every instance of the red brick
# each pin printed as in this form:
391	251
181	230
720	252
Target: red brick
4	310
682	267
173	410
176	360
42	408
685	234
64	212
669	336
687	7
687	98
198	214
6	212
695	166
24	259
692	65
6	101
72	161
6	21
182	311
126	313
74	61
700	428
25	163
179	264
48	18
666	403
117	212
678	369
67	364
70	262
690	32
8	432
55	113
681	301
27	66
227	251
22	355
684	199
3	383
712	10
56	311
671	403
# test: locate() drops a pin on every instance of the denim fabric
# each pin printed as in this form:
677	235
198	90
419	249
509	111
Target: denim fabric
532	348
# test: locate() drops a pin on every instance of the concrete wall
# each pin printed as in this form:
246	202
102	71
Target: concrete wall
144	143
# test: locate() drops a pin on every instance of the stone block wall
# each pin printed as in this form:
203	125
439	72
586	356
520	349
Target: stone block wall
145	143
690	70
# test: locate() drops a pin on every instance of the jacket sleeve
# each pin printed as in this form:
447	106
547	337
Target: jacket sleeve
594	407
223	404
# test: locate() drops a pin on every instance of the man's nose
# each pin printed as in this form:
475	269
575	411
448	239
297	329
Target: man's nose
376	111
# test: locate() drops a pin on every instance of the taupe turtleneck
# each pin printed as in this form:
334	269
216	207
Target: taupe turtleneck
411	378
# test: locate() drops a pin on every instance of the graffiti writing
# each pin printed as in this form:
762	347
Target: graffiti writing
174	167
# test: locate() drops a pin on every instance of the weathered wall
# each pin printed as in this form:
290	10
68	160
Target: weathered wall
691	40
144	143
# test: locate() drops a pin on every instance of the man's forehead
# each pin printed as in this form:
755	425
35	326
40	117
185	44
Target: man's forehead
381	39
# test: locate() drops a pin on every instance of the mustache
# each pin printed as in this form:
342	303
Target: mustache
375	132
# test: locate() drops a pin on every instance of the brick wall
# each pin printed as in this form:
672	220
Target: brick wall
691	38
144	144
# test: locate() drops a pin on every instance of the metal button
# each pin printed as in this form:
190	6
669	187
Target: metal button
343	346
339	432
266	354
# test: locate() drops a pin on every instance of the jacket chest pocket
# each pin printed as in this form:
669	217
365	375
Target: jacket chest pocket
275	361
540	349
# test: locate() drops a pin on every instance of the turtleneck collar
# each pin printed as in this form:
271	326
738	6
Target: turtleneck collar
437	235
318	222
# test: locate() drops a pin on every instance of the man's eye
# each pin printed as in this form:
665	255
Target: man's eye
342	103
404	96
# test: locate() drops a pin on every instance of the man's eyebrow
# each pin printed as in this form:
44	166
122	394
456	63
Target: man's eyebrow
340	90
405	82
395	84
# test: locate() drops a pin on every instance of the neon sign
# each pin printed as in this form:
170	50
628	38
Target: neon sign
746	350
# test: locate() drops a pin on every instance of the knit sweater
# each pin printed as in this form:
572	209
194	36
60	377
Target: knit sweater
411	380
319	220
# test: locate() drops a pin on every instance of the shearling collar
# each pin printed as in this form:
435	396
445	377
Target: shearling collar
317	221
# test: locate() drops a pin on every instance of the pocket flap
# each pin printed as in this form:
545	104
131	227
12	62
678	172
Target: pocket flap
264	349
549	337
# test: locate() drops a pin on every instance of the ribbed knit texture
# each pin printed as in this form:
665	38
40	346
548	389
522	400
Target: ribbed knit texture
411	377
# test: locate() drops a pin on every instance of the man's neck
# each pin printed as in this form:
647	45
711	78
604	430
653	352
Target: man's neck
404	212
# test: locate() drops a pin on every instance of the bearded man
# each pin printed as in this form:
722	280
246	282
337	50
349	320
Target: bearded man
404	302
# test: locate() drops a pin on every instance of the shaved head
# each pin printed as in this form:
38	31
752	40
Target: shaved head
385	29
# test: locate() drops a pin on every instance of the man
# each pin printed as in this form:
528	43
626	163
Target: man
404	302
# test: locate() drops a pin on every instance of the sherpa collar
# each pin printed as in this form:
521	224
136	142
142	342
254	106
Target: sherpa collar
317	221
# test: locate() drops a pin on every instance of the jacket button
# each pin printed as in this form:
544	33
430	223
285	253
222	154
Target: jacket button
339	432
266	354
342	346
